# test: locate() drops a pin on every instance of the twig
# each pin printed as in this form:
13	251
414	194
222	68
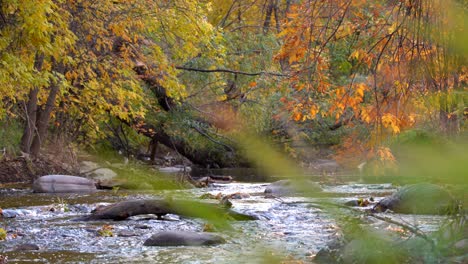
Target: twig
413	230
228	148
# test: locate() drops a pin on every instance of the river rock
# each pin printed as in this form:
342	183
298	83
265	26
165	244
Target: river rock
288	187
175	169
63	184
105	178
183	238
12	213
331	253
88	166
421	198
237	195
103	174
462	245
26	246
126	233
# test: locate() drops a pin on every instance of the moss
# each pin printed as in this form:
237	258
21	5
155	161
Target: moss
106	231
3	234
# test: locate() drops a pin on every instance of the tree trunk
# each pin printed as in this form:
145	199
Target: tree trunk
202	157
277	18
43	114
43	117
269	12
154	147
31	111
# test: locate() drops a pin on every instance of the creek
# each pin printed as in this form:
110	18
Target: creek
287	226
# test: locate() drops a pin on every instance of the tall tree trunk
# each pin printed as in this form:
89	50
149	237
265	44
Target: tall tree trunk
31	111
30	126
277	18
43	112
269	12
154	147
43	118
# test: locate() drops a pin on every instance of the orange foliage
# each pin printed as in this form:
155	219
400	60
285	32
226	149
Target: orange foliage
396	65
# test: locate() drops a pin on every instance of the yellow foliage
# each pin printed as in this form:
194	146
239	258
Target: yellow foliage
391	122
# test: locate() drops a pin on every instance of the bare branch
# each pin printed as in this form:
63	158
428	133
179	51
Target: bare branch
232	71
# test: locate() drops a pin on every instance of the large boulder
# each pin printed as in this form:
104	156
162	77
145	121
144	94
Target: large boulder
288	187
421	198
88	166
183	238
63	184
105	178
103	174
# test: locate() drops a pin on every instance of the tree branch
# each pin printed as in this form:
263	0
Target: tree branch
232	71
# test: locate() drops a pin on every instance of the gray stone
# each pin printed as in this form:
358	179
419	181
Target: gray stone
462	245
103	174
12	213
126	233
87	166
175	169
288	187
27	246
63	184
421	198
183	238
105	178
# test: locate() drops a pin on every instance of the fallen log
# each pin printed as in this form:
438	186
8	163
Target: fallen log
126	209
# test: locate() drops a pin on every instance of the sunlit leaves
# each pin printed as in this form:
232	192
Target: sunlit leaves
31	28
373	61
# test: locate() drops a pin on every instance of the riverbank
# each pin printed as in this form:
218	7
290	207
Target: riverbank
26	169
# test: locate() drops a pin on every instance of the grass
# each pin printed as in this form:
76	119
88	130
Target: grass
10	137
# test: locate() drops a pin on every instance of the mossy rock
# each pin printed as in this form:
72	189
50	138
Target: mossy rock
421	198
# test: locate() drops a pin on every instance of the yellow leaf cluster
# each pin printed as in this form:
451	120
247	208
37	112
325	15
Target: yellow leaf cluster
390	121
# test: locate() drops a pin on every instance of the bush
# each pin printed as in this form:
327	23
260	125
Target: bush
10	136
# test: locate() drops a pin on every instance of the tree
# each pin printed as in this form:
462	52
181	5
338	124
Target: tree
368	64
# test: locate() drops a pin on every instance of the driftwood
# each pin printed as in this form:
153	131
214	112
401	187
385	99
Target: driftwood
126	209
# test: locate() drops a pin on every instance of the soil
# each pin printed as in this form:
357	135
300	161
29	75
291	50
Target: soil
24	169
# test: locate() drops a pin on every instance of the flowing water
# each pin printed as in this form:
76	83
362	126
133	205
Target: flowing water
287	226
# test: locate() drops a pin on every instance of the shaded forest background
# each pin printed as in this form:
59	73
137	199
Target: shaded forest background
344	79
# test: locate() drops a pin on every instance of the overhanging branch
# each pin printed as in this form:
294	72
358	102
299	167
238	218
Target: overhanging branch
232	71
